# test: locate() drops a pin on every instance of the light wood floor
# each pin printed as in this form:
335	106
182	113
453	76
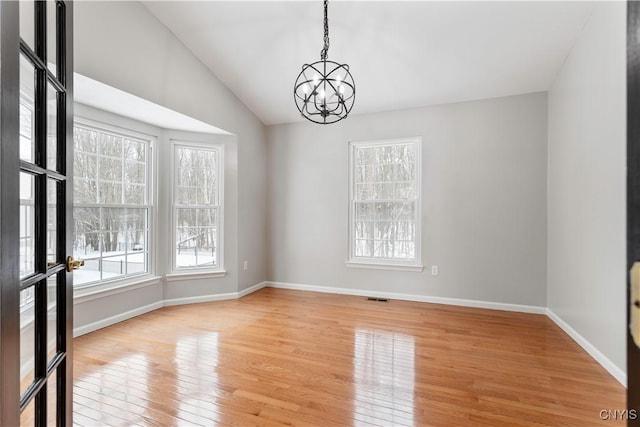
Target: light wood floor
280	357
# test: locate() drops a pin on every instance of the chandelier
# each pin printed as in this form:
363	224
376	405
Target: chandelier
324	90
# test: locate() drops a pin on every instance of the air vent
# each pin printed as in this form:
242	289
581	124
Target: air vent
378	299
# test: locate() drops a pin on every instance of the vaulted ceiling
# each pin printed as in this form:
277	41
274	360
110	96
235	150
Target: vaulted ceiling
402	54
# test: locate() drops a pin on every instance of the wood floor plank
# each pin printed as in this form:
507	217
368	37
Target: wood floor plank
281	357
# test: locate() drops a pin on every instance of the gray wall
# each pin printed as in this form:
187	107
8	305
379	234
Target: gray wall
484	200
123	45
587	162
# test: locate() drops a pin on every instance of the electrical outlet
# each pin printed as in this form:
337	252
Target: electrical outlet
246	265
434	270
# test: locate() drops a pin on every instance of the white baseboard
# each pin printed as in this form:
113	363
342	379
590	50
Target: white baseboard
214	297
199	299
603	360
410	297
103	323
252	289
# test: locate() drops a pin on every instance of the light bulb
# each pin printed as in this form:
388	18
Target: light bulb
339	80
305	88
341	89
322	94
316	80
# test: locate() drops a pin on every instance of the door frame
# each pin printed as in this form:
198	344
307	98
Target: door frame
9	219
633	198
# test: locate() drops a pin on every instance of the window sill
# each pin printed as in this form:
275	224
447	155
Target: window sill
100	291
194	275
380	266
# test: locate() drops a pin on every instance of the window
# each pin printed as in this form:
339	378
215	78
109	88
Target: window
111	203
385	203
197	207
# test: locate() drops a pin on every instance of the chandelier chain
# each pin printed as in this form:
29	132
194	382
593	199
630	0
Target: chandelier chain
325	50
324	91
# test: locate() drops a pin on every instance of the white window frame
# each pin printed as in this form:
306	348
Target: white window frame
177	273
385	263
127	131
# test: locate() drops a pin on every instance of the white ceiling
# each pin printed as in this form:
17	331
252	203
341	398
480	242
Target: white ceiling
401	54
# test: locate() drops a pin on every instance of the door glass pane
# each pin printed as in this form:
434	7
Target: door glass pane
51	36
52	137
27	92
27	224
28	416
27	340
27	22
51	399
52	315
52	203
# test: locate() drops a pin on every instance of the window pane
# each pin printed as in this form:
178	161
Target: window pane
84	140
134	172
110	145
136	263
364	248
134	150
27	339
110	192
87	244
206	247
186	196
27	224
85	165
51	36
52	136
110	169
28	415
113	222
112	267
206	217
27	22
134	225
27	94
196	169
405	190
52	203
88	247
52	315
364	229
52	399
134	194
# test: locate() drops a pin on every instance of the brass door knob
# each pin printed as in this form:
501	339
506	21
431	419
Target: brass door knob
74	264
634	310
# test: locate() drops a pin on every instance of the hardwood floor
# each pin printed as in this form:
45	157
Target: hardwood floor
281	357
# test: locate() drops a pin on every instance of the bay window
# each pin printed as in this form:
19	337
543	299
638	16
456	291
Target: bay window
111	203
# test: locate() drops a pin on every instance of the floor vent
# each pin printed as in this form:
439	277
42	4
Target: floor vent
378	299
